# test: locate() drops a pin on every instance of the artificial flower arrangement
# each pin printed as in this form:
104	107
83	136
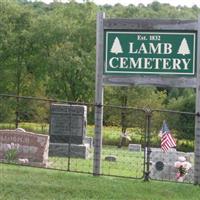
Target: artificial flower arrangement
183	167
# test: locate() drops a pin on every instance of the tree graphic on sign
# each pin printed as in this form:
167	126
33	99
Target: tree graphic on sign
184	48
116	47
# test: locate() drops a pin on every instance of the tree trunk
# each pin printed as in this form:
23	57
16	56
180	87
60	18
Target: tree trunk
124	102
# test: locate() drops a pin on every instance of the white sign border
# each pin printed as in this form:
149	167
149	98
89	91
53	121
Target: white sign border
106	71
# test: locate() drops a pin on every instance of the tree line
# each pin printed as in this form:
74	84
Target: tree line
48	50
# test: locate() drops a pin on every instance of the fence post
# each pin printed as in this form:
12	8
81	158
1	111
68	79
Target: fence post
148	114
70	134
98	95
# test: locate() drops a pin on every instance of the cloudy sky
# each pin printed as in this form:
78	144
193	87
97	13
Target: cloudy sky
188	3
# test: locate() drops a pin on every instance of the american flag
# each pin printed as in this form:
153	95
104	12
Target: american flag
167	140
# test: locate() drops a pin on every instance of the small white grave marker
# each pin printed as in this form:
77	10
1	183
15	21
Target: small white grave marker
134	147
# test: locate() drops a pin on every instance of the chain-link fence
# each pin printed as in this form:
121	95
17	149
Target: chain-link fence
131	141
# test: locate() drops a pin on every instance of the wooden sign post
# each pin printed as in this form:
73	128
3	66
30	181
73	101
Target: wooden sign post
197	119
146	52
98	95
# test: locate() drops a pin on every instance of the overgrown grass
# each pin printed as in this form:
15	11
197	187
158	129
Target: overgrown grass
25	183
111	135
41	128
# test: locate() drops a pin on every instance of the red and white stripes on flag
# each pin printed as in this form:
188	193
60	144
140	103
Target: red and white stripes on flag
167	140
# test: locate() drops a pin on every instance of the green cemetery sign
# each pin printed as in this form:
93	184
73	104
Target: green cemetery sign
157	52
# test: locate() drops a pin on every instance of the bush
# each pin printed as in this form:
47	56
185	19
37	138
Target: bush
185	145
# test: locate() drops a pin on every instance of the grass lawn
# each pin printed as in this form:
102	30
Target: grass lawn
25	183
129	164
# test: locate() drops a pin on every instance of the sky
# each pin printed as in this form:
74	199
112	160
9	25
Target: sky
188	3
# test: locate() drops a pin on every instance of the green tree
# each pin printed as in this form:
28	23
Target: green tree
183	123
49	51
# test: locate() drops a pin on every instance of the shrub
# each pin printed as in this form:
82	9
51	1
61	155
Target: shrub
11	153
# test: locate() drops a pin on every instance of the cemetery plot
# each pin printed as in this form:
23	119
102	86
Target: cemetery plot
117	158
172	165
125	137
68	131
125	156
21	147
177	163
126	163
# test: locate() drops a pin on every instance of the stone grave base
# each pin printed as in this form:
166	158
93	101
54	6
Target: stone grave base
162	164
88	141
76	150
169	173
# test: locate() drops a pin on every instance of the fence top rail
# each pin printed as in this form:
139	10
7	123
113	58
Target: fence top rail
144	109
44	99
175	112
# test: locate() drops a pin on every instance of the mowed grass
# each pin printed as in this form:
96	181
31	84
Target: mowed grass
25	183
128	164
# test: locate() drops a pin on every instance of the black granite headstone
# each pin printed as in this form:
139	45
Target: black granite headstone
68	123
